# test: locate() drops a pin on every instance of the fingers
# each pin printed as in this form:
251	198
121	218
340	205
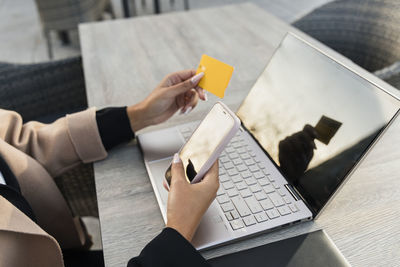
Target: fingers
177	171
191	100
183	75
211	179
202	93
186	85
165	185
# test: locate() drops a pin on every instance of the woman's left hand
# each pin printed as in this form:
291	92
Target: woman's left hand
177	91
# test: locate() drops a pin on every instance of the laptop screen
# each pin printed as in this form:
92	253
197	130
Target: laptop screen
314	117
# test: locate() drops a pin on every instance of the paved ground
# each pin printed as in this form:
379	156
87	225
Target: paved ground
21	39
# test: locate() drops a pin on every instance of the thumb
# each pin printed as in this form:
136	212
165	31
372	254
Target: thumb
177	171
186	85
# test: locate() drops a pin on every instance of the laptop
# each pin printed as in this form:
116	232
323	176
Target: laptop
305	125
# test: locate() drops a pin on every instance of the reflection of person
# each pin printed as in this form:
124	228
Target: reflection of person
296	152
190	170
35	221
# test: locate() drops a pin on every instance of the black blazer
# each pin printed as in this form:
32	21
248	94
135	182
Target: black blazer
169	249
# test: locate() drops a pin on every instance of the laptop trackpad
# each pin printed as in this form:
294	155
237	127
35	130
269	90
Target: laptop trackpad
160	144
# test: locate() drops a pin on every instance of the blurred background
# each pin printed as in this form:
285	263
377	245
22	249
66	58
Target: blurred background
23	36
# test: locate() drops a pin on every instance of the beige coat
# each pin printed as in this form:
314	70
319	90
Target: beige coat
35	153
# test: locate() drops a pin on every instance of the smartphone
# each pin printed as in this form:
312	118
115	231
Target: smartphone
207	142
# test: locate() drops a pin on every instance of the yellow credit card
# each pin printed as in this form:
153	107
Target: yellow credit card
216	77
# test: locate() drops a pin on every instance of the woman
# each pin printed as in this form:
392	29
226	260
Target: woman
35	222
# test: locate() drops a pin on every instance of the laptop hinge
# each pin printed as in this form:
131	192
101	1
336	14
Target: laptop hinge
293	192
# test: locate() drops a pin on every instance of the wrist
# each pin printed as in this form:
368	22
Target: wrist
183	230
136	116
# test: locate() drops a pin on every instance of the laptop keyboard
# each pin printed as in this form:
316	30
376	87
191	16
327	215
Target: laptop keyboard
248	193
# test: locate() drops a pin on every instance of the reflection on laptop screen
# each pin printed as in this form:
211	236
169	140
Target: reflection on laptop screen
304	98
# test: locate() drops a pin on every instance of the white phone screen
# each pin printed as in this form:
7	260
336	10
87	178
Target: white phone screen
205	140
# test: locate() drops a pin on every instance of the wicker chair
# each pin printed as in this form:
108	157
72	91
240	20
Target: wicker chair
45	92
365	31
65	15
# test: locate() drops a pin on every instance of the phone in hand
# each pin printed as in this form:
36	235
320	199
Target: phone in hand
207	143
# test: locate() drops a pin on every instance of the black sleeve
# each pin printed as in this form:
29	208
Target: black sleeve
114	126
170	249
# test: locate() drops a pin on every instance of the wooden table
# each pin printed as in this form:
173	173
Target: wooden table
125	59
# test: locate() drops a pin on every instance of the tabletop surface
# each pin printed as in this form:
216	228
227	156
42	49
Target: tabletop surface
125	59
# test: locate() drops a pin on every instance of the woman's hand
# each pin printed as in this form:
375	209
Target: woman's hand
187	202
176	91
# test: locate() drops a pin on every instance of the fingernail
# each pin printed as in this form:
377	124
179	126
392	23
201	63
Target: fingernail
195	79
205	96
176	158
187	110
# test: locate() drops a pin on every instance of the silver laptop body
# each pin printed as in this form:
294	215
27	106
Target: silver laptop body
254	195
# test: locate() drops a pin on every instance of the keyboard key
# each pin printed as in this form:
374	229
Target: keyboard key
260	195
268	188
221	170
270	177
236	178
232	192
261	166
224	178
281	192
224	159
237	161
253	168
229	149
287	199
249	162
227	207
246	174
241	206
275	185
233	155
241	150
258	175
249	220
237	224
220	191
276	199
244	156
237	145
228	185
263	181
255	188
228	216
228	165
272	213
284	210
261	217
223	199
253	204
232	172
245	193
241	167
251	181
241	185
266	204
293	207
235	214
